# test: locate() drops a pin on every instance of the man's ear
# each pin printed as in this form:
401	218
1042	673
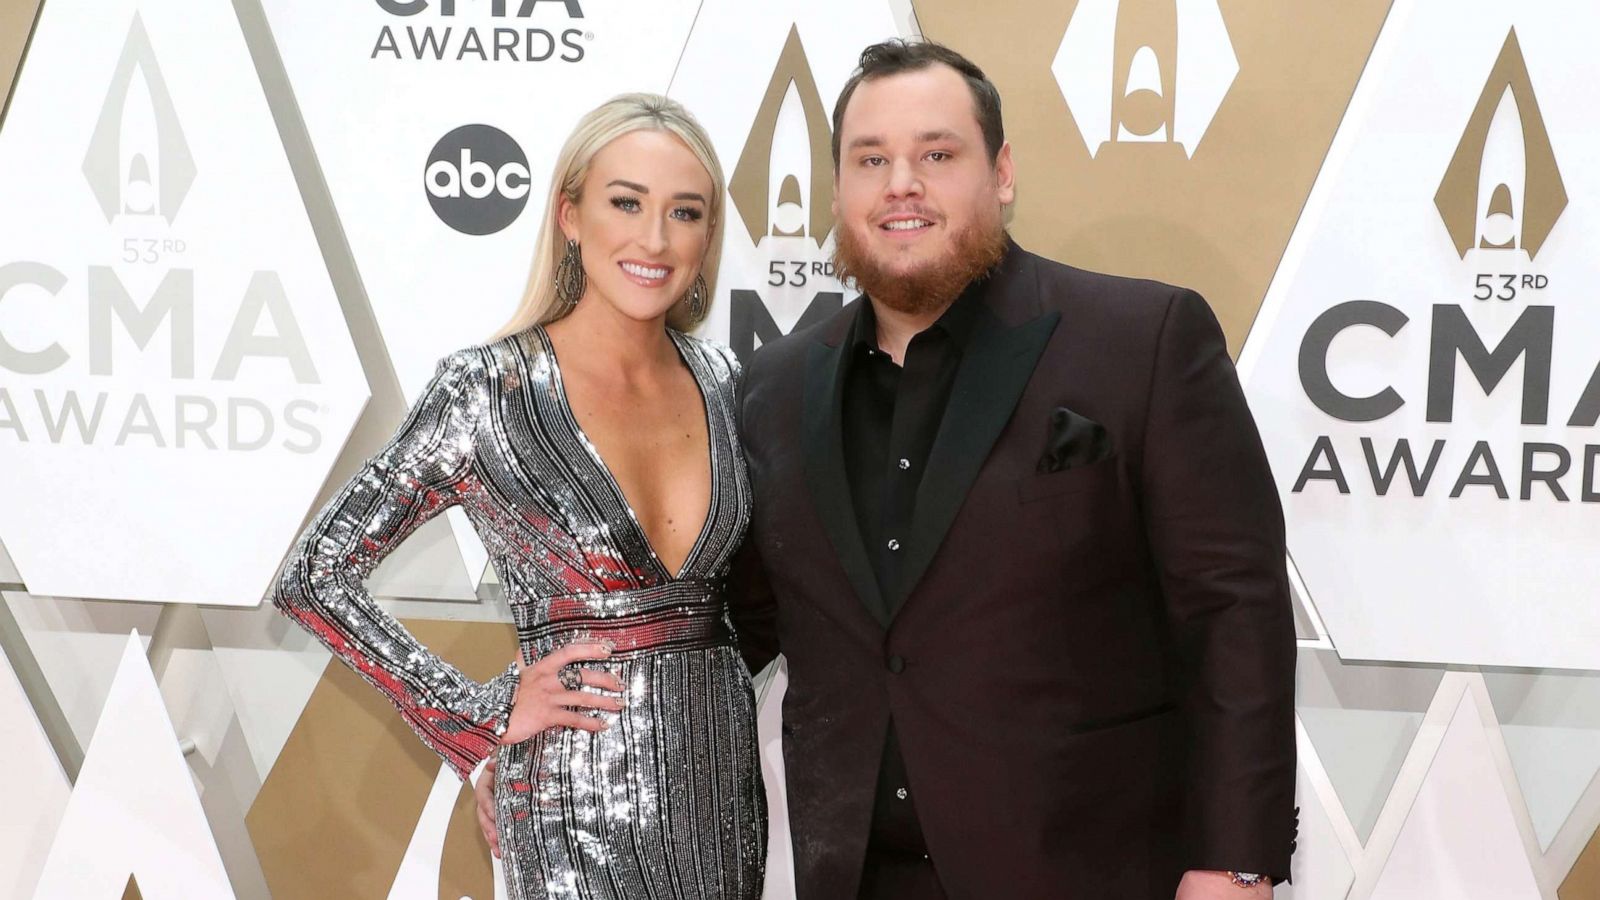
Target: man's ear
1005	175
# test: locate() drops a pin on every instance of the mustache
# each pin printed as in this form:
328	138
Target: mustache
906	209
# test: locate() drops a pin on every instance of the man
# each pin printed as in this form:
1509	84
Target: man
1016	536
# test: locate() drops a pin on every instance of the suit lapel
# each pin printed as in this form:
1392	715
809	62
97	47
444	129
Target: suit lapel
995	368
825	472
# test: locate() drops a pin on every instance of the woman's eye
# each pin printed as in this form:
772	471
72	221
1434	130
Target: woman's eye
687	214
626	204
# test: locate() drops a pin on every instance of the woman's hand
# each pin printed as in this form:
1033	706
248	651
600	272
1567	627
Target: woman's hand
483	793
542	702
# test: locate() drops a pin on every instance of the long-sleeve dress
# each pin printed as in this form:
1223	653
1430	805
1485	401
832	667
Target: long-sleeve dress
668	801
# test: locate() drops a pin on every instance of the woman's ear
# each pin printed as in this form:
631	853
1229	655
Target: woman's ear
567	217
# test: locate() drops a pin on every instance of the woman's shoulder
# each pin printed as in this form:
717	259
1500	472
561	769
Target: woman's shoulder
477	369
721	359
495	357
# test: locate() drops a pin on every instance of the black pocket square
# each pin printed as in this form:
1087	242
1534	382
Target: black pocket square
1073	440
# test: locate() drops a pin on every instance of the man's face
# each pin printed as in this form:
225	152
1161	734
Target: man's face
915	182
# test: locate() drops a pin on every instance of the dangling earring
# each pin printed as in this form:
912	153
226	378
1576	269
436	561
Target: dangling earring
570	280
699	300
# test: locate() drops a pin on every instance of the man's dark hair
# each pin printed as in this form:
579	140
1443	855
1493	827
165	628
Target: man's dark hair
896	56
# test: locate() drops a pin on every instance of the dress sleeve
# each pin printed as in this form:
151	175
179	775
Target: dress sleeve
423	471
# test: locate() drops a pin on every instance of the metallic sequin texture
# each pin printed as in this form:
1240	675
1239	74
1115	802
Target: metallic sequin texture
666	803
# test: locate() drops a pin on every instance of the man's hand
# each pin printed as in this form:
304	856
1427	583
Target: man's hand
483	790
1203	885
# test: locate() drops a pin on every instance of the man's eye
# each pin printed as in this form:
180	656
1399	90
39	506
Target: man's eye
872	161
938	156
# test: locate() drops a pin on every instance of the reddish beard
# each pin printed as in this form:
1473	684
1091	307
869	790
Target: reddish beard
975	251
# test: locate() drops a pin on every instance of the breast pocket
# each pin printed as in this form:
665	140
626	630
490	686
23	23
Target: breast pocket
1084	508
1076	480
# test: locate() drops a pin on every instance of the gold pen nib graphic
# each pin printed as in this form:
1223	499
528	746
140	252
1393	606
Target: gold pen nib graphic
751	184
1503	189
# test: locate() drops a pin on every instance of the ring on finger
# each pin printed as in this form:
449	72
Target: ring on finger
570	678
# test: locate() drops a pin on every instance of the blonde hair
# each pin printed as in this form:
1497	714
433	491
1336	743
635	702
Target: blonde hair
616	117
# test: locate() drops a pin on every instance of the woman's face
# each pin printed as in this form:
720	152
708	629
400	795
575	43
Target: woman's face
644	223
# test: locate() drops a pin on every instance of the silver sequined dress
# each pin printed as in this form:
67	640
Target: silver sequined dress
666	803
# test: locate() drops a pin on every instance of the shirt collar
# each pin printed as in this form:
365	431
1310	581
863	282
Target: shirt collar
957	322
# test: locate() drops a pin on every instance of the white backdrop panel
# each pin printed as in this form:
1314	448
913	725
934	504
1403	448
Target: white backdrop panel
1480	562
178	377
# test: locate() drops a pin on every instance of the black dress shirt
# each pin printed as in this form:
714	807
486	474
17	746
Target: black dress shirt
891	415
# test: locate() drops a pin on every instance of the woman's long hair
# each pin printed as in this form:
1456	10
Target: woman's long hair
616	117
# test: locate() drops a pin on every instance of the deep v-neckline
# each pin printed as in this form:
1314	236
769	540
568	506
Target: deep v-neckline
597	459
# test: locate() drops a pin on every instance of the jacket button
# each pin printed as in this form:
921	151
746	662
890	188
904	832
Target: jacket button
897	664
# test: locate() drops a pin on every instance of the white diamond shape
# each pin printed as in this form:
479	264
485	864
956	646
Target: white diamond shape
165	280
1206	68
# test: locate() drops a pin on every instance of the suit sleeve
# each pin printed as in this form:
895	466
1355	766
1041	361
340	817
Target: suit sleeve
419	474
751	604
1216	532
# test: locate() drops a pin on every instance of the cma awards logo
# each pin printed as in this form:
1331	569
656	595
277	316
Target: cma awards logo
1500	199
790	139
140	171
1503	190
477	179
1145	71
512	39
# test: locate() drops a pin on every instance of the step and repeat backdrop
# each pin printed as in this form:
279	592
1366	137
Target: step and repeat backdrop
236	236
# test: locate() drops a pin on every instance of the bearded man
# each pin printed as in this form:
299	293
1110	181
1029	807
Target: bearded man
1016	536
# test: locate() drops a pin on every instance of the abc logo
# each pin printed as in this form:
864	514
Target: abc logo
477	179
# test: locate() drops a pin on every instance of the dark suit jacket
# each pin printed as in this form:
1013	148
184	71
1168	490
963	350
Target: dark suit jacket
1091	669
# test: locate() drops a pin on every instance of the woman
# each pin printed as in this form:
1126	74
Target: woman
592	446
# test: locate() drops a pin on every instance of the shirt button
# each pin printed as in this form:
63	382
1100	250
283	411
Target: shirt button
900	792
905	464
894	544
897	664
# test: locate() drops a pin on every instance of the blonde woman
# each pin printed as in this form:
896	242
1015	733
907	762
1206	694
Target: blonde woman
592	446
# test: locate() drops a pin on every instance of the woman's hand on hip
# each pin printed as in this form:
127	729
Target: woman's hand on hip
543	702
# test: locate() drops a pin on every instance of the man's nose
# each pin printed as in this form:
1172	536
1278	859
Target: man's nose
904	180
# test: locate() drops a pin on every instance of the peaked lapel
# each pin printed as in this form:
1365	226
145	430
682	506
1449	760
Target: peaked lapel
994	370
823	427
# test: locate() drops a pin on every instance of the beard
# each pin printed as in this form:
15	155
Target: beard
975	251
